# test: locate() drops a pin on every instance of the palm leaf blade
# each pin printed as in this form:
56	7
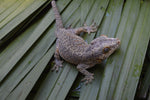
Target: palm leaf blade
25	59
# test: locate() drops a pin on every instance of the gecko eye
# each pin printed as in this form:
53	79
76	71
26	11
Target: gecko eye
106	49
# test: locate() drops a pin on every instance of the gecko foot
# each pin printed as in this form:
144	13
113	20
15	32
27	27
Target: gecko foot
88	79
91	28
58	64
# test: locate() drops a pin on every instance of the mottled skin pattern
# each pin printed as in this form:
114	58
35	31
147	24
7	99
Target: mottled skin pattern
75	50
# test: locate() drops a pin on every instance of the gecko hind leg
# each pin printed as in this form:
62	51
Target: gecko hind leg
58	61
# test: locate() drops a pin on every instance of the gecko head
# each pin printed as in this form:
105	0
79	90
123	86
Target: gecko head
103	46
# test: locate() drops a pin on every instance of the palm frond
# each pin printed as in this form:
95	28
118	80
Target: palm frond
27	42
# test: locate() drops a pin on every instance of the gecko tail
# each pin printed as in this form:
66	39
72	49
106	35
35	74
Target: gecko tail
59	23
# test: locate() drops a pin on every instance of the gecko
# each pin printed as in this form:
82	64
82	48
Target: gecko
73	49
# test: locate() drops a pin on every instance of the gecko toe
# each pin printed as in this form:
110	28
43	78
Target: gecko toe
55	68
90	29
93	24
88	79
58	64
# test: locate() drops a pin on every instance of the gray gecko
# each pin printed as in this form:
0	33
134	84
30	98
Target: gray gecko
73	49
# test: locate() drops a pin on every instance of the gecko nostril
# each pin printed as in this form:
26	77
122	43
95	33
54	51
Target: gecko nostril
118	41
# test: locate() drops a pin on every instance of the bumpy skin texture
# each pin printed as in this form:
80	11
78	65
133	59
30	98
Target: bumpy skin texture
75	50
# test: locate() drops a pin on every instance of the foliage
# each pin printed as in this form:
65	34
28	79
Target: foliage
27	42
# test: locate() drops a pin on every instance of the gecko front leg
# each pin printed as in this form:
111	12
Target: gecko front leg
58	61
88	76
85	28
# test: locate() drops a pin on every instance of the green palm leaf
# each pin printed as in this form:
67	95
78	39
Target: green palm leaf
27	42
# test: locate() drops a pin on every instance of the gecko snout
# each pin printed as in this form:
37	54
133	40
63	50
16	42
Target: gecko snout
118	41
